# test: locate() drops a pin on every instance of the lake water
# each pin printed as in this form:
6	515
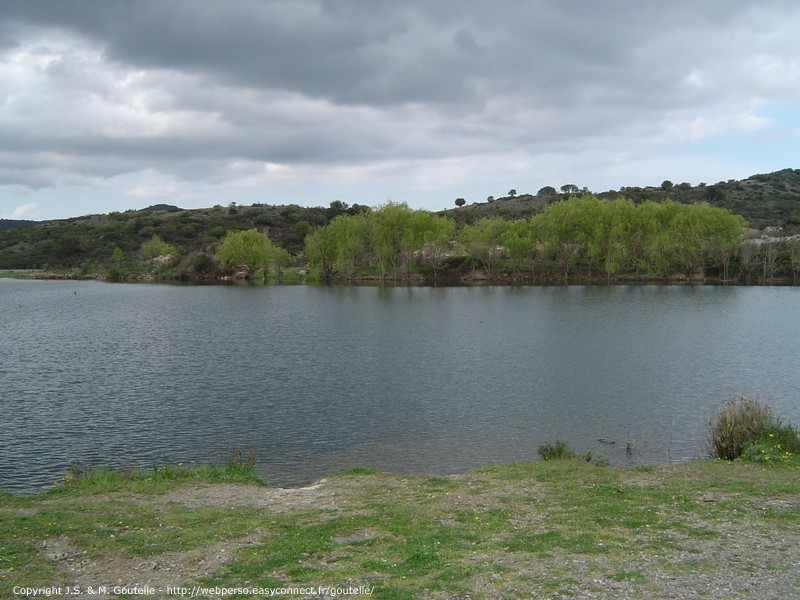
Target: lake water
417	379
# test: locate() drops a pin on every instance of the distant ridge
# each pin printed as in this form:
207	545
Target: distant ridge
160	208
6	224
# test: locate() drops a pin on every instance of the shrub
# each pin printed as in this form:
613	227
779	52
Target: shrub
784	437
556	451
239	460
560	451
761	452
203	264
741	422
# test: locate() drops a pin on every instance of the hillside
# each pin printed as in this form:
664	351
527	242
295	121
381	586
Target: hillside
87	244
766	200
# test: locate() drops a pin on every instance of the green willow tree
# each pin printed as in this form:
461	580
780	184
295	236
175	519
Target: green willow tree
518	240
483	242
437	236
560	234
388	224
349	236
250	250
321	252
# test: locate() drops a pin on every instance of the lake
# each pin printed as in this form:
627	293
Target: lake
405	379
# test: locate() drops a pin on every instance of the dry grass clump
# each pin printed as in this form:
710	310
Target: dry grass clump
739	423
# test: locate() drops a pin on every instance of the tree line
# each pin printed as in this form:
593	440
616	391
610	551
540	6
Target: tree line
582	236
577	239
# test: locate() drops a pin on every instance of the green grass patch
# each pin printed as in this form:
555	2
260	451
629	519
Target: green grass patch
357	472
479	534
81	479
635	576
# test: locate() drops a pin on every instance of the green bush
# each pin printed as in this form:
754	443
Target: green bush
560	451
761	452
556	451
742	423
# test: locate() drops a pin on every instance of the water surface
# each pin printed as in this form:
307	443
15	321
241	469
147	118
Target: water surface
319	379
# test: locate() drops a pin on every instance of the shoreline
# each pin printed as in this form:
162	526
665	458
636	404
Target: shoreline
474	279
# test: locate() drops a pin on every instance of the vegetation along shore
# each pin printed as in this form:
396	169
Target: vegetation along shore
738	231
556	528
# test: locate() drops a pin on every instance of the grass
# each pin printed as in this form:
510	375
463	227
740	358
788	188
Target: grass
81	479
546	528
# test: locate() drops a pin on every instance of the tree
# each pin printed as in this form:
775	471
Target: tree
794	257
547	190
518	240
558	227
438	234
321	252
512	192
412	237
569	188
747	253
155	246
619	226
666	185
460	202
357	209
483	242
490	199
386	227
643	228
248	250
721	232
348	236
336	208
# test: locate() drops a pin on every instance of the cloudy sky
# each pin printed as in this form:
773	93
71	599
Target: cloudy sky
113	105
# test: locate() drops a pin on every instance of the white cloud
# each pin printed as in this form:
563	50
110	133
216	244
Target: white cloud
24	211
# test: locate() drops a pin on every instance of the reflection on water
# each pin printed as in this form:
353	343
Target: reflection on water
319	379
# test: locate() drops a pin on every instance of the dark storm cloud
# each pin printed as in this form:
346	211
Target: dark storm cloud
385	52
188	86
366	55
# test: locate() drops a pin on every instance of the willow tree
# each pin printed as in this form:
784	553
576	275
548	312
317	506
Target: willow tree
617	225
721	232
483	242
249	251
559	230
321	252
348	235
643	228
436	234
519	243
387	225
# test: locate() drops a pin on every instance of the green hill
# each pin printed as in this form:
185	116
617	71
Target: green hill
767	200
87	244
